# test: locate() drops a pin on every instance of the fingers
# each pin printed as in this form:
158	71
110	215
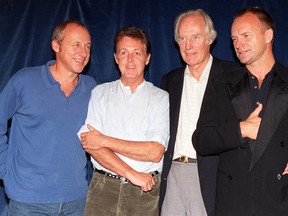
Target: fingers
83	139
147	188
149	184
85	135
249	128
83	143
145	181
257	110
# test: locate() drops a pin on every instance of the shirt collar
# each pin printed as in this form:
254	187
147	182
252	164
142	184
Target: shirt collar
268	76
128	87
49	80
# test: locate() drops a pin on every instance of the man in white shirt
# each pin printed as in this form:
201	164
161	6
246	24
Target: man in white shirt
126	132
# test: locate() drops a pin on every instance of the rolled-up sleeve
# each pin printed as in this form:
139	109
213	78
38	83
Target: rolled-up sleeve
159	128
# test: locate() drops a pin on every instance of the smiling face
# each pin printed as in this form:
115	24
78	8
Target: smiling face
193	41
131	57
251	40
73	52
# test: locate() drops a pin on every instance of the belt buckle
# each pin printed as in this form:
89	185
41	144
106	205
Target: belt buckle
184	159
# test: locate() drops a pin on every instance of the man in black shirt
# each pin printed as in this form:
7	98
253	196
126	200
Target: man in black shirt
244	120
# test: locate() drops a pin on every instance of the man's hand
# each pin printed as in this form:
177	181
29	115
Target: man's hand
143	180
92	139
250	127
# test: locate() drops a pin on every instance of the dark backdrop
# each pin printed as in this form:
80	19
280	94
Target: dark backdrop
26	27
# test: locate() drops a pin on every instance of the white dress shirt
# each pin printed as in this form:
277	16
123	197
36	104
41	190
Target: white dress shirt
191	100
142	115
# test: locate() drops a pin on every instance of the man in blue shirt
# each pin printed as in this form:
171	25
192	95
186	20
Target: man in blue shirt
43	165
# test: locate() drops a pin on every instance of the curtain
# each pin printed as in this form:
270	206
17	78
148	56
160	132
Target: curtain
26	28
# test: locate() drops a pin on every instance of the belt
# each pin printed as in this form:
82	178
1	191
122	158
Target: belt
185	159
121	178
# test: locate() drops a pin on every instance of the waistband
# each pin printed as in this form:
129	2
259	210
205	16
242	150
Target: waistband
121	178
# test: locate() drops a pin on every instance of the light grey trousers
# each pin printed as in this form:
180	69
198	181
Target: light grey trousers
183	194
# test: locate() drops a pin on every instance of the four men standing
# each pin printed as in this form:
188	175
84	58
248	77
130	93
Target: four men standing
242	124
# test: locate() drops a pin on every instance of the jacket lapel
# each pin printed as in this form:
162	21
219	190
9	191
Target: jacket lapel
240	95
276	107
175	96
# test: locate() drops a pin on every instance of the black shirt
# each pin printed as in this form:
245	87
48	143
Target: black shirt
260	94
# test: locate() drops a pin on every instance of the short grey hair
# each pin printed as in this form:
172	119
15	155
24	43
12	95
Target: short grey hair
209	26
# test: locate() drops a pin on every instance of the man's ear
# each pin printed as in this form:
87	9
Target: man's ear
148	59
115	57
269	35
55	46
